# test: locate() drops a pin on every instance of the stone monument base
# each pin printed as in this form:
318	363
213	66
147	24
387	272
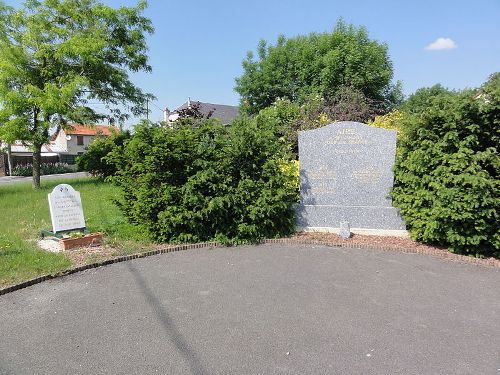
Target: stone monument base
369	220
362	231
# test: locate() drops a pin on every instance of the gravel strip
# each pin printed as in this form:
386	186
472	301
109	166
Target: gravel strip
399	244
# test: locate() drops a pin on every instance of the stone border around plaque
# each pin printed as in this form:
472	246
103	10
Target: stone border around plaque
56	245
92	239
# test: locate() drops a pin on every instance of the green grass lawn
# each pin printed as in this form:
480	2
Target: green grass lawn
24	212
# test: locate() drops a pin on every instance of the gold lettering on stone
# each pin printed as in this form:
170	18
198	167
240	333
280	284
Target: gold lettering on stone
322	173
322	180
367	176
347	136
351	151
322	187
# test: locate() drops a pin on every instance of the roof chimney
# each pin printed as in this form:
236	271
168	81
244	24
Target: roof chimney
189	102
165	114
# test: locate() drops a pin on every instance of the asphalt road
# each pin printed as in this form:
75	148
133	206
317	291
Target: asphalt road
9	180
272	309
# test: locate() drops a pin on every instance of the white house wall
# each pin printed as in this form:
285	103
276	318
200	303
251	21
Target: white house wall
60	141
71	146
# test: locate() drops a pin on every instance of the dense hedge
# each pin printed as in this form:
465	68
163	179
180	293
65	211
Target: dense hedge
190	184
447	170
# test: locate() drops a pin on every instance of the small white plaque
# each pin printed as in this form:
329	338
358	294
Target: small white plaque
66	210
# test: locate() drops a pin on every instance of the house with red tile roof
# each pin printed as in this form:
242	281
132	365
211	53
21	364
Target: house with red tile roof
65	144
74	140
94	130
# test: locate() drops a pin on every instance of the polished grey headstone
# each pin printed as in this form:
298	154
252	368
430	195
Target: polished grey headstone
346	175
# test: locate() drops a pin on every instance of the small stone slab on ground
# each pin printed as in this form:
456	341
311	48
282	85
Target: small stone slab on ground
49	244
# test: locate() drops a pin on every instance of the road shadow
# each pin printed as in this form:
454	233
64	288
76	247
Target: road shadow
168	325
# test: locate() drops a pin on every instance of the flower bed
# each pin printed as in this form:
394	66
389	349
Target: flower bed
93	239
47	168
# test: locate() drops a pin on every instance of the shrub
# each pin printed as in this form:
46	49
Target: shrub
189	184
55	168
287	118
22	170
45	169
447	170
392	120
95	160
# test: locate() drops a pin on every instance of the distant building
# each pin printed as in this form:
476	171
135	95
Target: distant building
73	141
64	145
225	113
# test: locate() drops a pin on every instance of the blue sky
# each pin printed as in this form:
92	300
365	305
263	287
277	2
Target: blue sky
198	46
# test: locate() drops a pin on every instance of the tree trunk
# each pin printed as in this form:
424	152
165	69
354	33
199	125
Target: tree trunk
37	157
9	158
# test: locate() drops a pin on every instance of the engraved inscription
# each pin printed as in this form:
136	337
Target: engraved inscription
323	187
322	180
347	136
322	173
65	208
350	151
367	175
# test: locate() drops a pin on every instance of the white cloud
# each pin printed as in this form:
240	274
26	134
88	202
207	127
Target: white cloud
441	43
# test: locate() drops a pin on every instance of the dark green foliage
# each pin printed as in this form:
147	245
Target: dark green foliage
318	64
447	170
95	160
422	98
190	184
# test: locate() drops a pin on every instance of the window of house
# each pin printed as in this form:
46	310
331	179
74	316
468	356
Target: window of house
79	140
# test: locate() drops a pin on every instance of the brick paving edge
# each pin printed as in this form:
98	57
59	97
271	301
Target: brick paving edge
106	262
442	254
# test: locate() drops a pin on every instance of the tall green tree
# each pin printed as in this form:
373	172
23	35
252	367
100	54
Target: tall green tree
57	55
318	64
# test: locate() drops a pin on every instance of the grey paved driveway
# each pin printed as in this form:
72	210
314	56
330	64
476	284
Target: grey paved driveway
274	309
9	180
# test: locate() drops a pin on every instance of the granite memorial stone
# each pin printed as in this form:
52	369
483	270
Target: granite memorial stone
66	210
346	175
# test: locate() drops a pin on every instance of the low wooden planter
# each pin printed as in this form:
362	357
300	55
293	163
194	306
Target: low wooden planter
92	239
